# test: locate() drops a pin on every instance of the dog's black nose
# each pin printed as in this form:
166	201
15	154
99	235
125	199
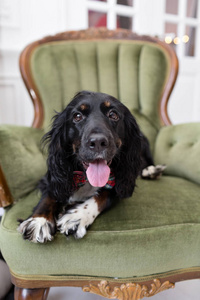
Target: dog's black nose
97	142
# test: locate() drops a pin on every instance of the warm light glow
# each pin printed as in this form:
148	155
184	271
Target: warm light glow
185	38
168	39
176	40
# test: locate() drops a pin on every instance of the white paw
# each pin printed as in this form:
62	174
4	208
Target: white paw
37	230
153	172
76	220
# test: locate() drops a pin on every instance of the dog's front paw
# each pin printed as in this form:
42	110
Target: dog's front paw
76	220
37	230
70	225
153	172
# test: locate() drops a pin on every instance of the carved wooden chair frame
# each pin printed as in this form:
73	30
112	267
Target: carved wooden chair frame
38	288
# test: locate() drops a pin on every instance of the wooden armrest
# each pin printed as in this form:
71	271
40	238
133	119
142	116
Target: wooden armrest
5	194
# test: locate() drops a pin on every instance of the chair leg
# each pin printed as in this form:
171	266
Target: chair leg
31	294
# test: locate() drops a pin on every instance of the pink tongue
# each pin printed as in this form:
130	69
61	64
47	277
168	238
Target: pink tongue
98	173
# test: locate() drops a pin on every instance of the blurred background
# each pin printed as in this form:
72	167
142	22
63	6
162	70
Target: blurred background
177	22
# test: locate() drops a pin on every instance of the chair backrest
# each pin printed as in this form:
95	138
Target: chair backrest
138	70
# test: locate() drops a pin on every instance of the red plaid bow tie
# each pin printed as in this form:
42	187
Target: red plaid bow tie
80	179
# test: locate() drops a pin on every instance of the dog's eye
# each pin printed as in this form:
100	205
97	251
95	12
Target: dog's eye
113	115
77	117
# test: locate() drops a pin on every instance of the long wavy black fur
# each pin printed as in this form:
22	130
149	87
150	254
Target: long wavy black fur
127	165
58	181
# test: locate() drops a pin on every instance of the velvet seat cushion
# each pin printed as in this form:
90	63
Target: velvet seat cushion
155	231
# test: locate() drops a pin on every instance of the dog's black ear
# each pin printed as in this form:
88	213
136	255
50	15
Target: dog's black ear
129	162
58	181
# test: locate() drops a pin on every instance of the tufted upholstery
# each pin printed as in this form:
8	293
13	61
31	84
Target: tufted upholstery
179	147
123	69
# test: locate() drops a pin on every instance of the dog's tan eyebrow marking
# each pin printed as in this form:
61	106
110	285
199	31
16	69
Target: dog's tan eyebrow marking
107	103
83	106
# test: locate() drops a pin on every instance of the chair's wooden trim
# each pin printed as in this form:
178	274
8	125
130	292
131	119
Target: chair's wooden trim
171	80
128	291
24	64
123	289
94	34
38	281
5	195
120	289
97	33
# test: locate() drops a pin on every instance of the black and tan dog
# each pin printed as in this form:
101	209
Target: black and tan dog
96	152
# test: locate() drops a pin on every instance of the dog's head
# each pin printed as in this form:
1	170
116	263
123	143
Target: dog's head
96	133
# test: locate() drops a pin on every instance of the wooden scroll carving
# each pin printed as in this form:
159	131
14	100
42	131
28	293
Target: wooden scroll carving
129	291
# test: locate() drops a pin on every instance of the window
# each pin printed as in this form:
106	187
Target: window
111	13
181	26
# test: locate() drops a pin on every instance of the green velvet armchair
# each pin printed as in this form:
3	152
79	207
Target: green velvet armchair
145	243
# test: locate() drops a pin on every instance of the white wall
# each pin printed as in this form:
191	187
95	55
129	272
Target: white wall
23	21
